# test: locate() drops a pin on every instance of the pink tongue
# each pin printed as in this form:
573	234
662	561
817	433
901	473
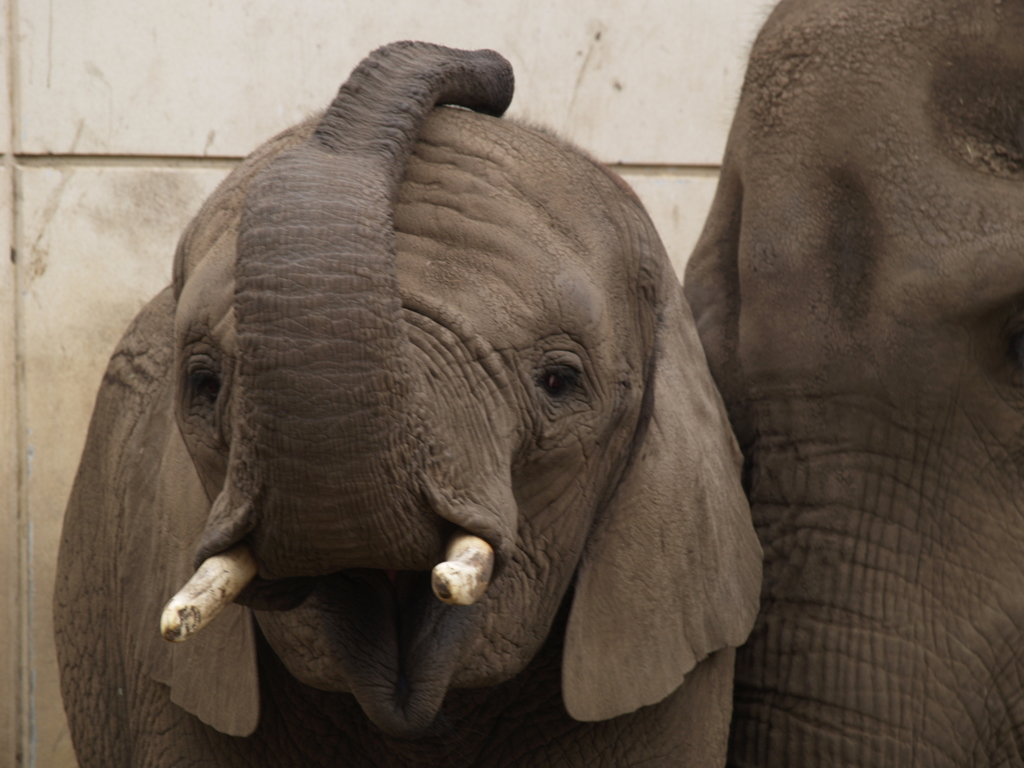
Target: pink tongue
393	575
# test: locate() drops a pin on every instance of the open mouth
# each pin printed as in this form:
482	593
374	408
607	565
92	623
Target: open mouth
288	593
378	634
375	632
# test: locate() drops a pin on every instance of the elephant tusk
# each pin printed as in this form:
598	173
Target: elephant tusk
215	584
466	571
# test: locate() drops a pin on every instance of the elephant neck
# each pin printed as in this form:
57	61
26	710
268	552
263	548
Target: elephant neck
891	603
516	723
475	727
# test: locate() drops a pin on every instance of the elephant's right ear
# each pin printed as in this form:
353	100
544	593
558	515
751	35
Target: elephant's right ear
214	675
672	571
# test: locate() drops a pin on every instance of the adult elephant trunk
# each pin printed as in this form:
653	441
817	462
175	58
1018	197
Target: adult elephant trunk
328	437
835	668
876	519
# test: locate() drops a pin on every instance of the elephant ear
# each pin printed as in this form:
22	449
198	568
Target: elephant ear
214	675
672	569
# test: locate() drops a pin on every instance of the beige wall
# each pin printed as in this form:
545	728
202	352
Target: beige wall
117	117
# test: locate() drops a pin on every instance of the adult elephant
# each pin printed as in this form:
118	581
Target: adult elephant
859	289
395	329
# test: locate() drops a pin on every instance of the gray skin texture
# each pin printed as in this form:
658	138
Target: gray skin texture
391	322
859	289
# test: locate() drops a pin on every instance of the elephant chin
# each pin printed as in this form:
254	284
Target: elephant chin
385	639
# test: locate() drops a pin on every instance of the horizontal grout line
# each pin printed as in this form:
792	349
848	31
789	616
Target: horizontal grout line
710	171
228	162
125	161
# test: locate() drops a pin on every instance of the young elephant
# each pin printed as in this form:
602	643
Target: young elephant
392	330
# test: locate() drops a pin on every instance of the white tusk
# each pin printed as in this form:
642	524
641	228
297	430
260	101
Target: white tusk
464	575
217	582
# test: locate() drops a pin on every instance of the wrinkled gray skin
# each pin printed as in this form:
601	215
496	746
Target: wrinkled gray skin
390	323
859	288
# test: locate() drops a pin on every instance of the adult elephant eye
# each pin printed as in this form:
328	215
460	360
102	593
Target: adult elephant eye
1016	353
205	385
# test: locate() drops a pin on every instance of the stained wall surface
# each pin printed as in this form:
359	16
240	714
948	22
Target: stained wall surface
117	118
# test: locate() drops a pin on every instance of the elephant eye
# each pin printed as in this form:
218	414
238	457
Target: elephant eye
558	380
204	384
1017	353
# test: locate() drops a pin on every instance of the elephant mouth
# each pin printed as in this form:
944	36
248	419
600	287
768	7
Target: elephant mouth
392	638
378	634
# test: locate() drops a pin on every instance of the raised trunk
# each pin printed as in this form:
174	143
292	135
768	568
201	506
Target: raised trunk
884	636
328	429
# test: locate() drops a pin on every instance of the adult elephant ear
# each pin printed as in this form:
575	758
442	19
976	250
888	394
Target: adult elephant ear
672	570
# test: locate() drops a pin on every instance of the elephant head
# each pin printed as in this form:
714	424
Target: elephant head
396	324
859	289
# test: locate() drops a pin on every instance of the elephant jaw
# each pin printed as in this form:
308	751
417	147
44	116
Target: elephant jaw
380	636
365	620
379	633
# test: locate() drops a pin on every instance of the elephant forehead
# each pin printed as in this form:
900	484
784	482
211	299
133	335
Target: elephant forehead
509	227
885	126
879	146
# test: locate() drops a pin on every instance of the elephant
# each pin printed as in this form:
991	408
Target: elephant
859	290
402	323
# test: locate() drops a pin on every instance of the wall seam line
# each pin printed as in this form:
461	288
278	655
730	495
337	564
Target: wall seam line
231	161
24	731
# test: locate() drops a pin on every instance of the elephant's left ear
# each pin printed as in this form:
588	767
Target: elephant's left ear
672	570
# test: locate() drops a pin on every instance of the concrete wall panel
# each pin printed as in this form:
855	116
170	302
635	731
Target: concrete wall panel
5	61
10	538
635	81
96	244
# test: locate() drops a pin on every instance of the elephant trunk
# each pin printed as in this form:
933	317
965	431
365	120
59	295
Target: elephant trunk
807	675
328	430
